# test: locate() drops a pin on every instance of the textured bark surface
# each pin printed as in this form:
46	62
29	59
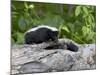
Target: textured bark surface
38	58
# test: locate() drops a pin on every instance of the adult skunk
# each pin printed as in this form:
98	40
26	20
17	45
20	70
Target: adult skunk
41	34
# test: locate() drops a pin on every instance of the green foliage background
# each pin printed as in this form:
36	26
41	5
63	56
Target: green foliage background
76	22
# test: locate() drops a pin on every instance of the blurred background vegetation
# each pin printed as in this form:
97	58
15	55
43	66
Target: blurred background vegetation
76	22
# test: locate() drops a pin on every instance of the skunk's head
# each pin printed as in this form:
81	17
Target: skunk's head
41	34
53	35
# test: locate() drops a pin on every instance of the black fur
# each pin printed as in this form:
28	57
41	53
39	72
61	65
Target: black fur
40	35
72	47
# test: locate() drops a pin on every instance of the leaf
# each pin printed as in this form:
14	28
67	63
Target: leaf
31	6
78	39
90	36
90	19
85	31
77	10
22	24
85	10
65	28
20	38
26	5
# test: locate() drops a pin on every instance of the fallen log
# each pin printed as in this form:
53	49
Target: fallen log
51	57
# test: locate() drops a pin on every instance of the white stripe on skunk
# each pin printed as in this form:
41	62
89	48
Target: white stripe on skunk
43	26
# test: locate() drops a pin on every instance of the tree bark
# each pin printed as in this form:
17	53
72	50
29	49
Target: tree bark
29	59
